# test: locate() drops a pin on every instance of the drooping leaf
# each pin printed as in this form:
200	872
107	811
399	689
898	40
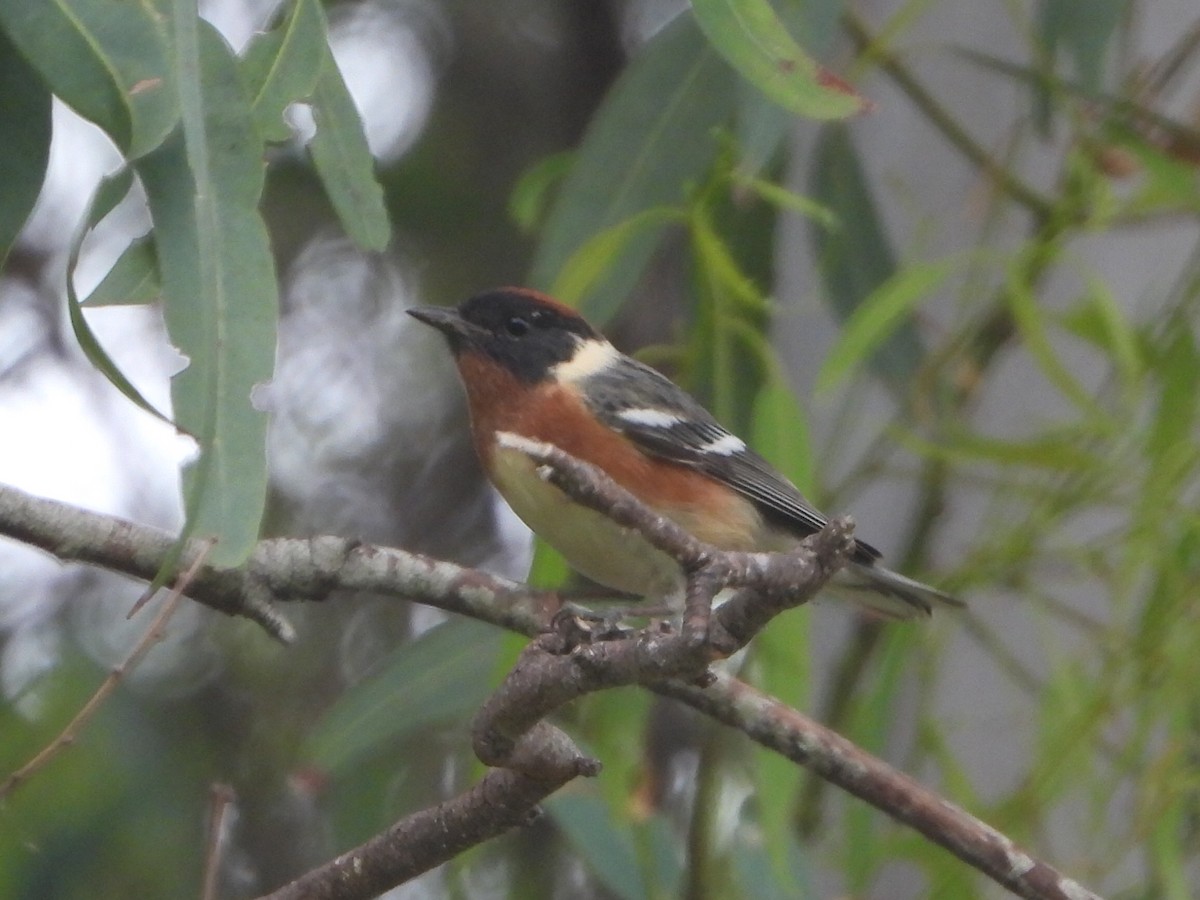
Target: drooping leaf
783	199
1085	37
111	191
1033	323
110	62
548	569
1098	318
530	198
605	848
343	160
25	148
753	39
1056	451
652	136
855	259
781	431
133	279
281	66
875	319
599	254
218	283
441	677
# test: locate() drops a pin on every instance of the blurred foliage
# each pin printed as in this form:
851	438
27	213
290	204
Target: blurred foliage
662	184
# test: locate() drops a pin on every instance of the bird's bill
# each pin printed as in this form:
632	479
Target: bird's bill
457	330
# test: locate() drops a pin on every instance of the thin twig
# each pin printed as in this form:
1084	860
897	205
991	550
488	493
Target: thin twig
943	121
221	800
70	734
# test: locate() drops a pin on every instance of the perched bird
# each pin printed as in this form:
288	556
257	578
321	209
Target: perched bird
534	367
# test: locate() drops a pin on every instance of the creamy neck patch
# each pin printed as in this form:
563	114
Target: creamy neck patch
591	356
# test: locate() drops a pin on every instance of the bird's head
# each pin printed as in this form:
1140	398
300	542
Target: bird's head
531	335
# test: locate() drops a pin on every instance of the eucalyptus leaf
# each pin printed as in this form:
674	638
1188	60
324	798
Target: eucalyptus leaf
1086	38
653	135
877	317
599	254
111	191
344	162
133	279
218	284
530	199
281	66
855	259
441	677
755	41
109	61
25	149
605	847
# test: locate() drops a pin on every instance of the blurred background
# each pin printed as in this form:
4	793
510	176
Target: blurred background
966	317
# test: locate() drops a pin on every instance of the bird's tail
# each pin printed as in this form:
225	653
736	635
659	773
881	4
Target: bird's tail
888	593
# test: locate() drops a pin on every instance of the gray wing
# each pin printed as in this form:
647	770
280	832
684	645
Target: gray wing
665	421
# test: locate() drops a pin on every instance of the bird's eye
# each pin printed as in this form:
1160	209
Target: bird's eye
516	326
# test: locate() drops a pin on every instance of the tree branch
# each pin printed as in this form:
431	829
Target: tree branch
778	727
510	730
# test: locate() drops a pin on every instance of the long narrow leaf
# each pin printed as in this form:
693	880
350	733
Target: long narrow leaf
597	256
857	258
109	193
652	136
133	279
219	290
344	163
109	61
877	317
281	66
25	149
441	677
753	39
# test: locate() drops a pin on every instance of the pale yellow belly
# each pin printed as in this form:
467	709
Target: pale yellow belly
592	544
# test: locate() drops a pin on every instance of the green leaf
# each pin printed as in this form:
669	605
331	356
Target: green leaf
1032	322
600	253
109	193
441	677
1084	33
876	318
752	39
109	61
650	138
1058	451
281	66
25	149
781	432
1176	365
218	283
530	198
549	570
133	279
779	665
344	163
1098	318
857	258
783	199
762	128
607	849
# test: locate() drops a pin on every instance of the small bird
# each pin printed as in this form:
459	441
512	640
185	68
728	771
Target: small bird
534	367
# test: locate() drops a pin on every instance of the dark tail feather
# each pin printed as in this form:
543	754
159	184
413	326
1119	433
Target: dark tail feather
889	593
